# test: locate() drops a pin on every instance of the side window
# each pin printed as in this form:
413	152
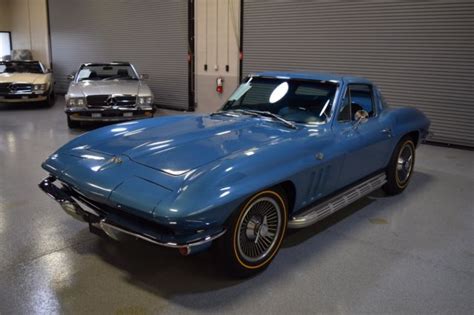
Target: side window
345	112
358	97
83	74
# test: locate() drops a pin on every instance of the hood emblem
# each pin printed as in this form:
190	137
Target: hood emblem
116	160
12	87
111	101
110	163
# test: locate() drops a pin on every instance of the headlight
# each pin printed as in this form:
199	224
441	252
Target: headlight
77	101
38	87
144	100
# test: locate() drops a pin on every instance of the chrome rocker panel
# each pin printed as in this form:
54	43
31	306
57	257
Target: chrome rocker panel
73	207
322	210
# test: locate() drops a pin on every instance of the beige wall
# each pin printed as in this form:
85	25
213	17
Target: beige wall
4	15
29	27
211	46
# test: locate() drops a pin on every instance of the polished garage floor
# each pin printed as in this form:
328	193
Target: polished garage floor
412	253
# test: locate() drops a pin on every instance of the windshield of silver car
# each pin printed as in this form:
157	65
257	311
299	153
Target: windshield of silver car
20	67
107	72
298	101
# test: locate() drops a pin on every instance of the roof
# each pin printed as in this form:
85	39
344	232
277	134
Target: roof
319	76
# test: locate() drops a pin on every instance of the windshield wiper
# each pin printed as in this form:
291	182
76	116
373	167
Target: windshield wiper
267	114
224	112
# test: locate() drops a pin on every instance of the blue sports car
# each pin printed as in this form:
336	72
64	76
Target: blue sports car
285	151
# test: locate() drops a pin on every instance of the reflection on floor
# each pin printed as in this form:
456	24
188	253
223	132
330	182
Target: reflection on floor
411	253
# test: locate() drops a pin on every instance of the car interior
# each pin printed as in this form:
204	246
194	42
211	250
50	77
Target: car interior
359	98
304	102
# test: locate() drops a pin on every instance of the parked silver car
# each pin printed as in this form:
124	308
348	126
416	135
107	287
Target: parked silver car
107	92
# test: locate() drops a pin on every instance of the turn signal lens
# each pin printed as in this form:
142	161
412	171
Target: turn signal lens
185	251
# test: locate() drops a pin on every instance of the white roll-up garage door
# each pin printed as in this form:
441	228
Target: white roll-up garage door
420	53
152	35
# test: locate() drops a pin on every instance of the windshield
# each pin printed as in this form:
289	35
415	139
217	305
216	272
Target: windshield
20	67
106	72
300	101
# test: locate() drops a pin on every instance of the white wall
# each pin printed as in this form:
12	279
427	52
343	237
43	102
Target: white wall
216	46
29	27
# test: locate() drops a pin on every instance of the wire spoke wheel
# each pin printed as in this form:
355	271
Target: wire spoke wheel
259	229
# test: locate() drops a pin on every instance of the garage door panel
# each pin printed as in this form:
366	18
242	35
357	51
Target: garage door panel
150	34
420	54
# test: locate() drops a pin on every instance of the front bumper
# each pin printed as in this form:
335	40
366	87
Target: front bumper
86	114
22	98
113	225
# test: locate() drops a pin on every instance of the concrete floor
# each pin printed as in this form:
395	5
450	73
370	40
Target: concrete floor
410	254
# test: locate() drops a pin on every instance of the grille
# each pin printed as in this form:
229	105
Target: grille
23	87
97	100
4	88
12	88
157	230
108	100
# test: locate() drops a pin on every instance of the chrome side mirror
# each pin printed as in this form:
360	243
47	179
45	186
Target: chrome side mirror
144	76
361	117
71	76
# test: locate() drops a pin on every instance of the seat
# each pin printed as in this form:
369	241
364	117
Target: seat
93	75
122	72
354	108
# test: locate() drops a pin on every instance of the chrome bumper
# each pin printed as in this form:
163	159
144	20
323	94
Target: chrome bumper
108	119
108	114
39	98
81	212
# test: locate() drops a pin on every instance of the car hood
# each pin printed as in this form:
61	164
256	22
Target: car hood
85	88
178	144
34	78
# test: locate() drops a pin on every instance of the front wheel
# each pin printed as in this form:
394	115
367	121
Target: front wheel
255	233
72	123
401	166
50	100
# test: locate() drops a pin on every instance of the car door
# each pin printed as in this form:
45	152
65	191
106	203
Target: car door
366	145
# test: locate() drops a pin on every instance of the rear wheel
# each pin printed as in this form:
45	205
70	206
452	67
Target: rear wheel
255	233
72	123
401	166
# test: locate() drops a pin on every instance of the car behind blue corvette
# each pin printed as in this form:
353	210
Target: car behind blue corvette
285	151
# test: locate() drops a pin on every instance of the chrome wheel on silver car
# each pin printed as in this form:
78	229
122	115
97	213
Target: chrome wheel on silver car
259	228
